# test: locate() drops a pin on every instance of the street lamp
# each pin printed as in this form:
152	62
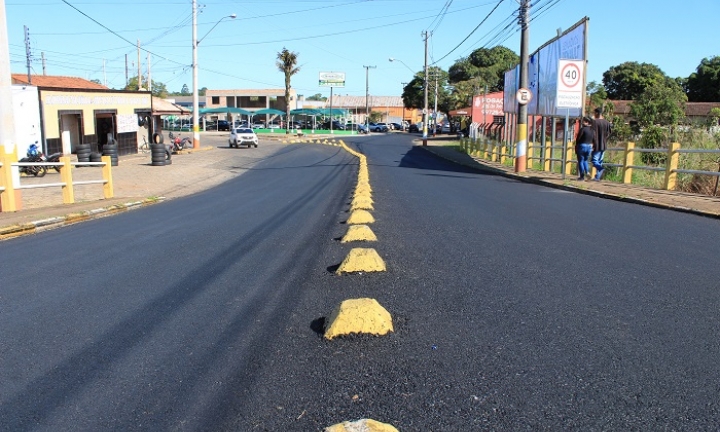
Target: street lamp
392	59
196	101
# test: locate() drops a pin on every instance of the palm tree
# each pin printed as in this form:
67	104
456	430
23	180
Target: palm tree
286	63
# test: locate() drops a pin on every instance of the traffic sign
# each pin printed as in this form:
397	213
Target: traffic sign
569	83
523	96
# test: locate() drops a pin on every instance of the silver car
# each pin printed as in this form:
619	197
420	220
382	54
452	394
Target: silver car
243	136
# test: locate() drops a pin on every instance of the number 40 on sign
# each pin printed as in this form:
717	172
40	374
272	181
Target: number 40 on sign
570	83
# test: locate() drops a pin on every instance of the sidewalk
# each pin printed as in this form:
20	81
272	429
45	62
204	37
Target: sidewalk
679	201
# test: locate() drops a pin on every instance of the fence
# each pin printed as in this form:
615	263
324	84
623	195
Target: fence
546	155
11	199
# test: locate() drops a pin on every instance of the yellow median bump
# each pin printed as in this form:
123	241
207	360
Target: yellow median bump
359	233
362	260
363	315
360	217
362	188
364	425
361	204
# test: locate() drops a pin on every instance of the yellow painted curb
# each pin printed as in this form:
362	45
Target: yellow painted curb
359	233
362	198
362	260
364	425
363	188
363	315
360	217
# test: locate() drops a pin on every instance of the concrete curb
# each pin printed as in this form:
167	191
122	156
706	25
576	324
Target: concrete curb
71	218
482	166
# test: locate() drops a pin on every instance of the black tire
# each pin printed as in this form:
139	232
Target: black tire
82	148
168	155
95	157
158	138
40	171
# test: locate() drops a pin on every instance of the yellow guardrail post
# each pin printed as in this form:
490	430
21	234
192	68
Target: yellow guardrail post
9	198
493	154
529	153
548	155
107	177
672	163
628	162
570	151
502	151
68	191
485	147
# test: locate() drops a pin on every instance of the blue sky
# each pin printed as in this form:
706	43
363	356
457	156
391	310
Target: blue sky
340	36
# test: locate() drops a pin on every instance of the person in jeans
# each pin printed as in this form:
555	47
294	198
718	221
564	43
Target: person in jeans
584	147
602	130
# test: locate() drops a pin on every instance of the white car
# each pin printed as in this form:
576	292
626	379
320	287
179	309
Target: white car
243	136
258	125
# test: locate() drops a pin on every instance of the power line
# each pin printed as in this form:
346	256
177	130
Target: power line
474	30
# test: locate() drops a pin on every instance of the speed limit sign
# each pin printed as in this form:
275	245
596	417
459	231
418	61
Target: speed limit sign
570	83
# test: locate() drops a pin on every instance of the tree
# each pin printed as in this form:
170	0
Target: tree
703	85
661	103
202	91
185	91
96	81
596	97
158	89
375	116
286	63
414	96
629	80
317	97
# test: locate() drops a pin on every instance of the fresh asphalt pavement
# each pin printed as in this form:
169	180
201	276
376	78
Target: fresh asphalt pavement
515	307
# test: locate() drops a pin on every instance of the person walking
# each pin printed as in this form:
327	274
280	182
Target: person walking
584	147
602	130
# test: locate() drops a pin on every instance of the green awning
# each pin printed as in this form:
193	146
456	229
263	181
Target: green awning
222	110
306	111
269	111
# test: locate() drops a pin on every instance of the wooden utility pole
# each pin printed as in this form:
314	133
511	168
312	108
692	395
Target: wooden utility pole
522	135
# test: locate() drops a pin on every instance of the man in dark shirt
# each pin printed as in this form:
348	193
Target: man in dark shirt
602	132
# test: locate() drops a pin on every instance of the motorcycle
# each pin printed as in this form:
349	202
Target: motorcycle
178	142
33	155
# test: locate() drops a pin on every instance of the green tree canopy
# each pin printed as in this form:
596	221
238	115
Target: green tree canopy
413	93
703	85
158	89
629	80
185	91
317	97
661	103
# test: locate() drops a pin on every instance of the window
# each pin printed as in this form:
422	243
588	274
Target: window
216	100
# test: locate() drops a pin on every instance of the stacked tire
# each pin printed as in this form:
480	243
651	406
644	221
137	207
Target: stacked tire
159	154
95	157
112	151
83	152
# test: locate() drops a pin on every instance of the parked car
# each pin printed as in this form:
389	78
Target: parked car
445	128
397	126
414	128
379	127
223	125
243	136
359	128
336	125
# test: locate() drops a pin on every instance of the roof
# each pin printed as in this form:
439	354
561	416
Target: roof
692	109
163	107
359	101
248	92
60	82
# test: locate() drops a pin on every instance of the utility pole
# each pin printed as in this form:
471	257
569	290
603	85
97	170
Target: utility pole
196	96
126	71
27	53
425	96
104	74
139	76
42	55
435	72
367	96
149	73
7	120
402	122
521	157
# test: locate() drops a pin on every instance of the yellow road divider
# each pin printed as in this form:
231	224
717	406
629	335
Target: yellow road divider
362	202
359	233
360	217
364	425
362	260
363	315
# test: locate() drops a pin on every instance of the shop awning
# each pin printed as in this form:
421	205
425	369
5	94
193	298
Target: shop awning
162	107
461	112
269	111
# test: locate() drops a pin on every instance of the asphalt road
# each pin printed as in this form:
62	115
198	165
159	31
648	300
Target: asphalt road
515	307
